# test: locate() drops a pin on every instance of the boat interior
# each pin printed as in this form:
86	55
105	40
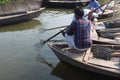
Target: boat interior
18	7
103	55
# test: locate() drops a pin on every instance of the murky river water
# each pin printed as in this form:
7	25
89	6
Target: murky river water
21	58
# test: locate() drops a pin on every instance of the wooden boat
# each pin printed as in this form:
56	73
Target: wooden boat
65	3
19	11
110	11
101	40
28	15
107	14
108	29
99	58
111	33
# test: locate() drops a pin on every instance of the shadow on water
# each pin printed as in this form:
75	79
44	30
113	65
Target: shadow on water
41	59
20	26
67	72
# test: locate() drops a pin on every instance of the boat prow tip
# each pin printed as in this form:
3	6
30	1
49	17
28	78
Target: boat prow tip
49	44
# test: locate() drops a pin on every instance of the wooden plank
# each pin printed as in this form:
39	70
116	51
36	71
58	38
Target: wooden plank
73	53
107	12
94	34
110	30
104	63
105	40
87	55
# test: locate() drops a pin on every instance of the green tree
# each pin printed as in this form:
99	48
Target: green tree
3	1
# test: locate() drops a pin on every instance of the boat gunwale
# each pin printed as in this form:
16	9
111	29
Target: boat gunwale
17	15
68	1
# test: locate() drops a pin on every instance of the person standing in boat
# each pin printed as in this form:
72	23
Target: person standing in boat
91	16
95	4
78	34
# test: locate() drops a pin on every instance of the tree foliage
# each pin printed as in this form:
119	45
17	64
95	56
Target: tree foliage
3	1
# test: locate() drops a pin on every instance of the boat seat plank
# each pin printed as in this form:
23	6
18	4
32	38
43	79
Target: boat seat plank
87	54
106	40
106	12
73	53
104	63
94	34
110	30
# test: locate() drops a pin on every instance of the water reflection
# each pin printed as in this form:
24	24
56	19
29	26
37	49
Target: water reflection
41	59
21	26
67	72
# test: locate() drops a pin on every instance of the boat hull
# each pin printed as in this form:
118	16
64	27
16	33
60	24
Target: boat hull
110	29
84	65
13	19
64	4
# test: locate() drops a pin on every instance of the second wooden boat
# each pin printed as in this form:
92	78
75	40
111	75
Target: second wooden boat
18	11
13	19
65	3
108	29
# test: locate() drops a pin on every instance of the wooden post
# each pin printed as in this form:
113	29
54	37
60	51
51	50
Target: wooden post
87	54
114	8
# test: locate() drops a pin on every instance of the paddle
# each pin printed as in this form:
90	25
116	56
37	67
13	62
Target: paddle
43	42
105	7
98	8
41	59
42	30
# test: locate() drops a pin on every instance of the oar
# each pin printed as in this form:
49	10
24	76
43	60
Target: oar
41	59
43	42
105	7
42	30
97	8
114	8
